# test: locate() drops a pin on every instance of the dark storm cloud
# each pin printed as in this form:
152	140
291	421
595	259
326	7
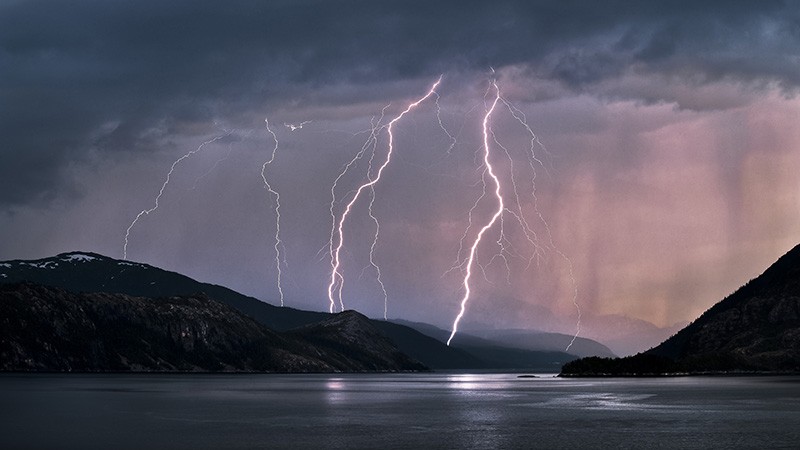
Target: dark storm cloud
85	77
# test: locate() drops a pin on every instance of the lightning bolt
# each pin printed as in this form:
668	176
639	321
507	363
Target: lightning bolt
370	142
498	212
514	209
371	213
216	164
529	234
452	138
278	242
337	233
372	262
146	212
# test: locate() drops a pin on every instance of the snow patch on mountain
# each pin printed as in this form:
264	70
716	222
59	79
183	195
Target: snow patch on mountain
78	257
130	264
42	265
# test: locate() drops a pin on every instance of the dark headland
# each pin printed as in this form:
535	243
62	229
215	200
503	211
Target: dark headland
755	330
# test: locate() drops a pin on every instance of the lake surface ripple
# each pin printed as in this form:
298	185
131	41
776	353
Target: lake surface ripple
481	411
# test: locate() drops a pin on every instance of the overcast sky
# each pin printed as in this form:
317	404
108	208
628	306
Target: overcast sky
669	160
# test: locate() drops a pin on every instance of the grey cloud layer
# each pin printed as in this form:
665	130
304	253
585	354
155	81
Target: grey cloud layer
84	77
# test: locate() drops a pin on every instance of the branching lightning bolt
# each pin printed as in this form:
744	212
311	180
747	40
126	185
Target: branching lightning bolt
216	164
452	138
370	142
535	142
278	242
146	212
213	168
495	216
515	210
372	262
337	279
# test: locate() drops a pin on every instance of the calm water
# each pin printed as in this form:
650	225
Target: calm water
395	411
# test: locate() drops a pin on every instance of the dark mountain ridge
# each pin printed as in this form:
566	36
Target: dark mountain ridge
342	334
51	329
755	329
91	272
514	349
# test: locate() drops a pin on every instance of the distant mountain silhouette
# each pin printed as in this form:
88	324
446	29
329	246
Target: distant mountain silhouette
514	349
625	335
755	329
51	329
542	341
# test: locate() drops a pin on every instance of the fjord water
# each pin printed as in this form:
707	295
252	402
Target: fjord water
396	411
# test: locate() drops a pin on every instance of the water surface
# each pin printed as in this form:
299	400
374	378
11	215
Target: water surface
396	411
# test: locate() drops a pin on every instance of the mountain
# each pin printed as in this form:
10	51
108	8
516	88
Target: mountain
541	341
344	334
626	335
432	352
755	329
51	329
91	272
511	349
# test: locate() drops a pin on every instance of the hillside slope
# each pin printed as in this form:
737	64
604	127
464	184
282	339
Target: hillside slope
344	334
91	272
755	329
50	329
527	352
